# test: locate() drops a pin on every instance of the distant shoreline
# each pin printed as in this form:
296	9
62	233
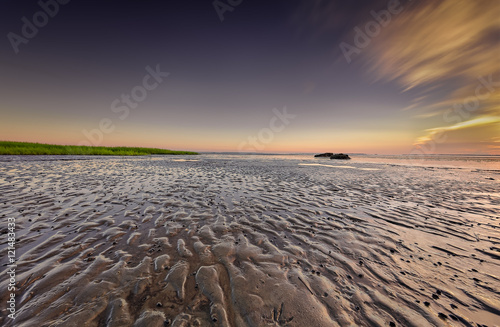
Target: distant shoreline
26	148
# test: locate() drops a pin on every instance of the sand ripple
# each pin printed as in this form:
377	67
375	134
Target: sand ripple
214	242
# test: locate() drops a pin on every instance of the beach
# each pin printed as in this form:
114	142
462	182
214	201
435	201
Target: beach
221	240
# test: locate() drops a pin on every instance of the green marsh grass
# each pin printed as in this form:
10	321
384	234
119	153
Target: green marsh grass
25	148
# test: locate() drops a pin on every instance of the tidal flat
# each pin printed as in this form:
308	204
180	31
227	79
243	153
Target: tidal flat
216	240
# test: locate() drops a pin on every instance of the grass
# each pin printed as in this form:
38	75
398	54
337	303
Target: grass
24	148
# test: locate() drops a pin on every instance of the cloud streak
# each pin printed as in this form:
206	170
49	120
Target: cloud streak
441	44
435	133
439	41
442	51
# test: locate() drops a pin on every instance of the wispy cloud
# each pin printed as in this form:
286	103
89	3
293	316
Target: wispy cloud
476	122
448	42
438	49
437	41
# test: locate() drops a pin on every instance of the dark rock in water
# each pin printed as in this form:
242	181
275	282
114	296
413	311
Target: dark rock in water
340	156
323	155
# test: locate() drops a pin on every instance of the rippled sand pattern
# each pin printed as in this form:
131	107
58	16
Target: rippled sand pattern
156	242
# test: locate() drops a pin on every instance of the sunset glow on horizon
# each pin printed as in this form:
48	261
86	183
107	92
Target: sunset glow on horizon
375	77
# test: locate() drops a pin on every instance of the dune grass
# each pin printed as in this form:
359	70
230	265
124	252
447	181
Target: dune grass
25	148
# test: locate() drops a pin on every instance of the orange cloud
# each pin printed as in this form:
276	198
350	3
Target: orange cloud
437	133
448	42
436	41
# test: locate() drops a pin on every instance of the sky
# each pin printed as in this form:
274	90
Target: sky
377	77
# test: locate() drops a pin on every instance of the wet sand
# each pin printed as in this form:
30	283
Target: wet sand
160	241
